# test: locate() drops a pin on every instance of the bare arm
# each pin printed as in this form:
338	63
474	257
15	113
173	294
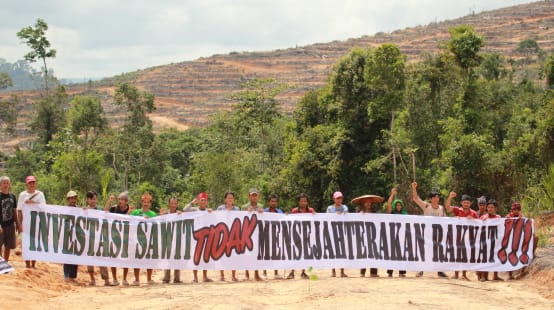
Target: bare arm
416	198
109	203
188	207
448	203
391	198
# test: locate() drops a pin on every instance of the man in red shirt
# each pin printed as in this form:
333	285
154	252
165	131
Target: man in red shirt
492	205
463	211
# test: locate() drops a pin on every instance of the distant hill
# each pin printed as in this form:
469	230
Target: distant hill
188	92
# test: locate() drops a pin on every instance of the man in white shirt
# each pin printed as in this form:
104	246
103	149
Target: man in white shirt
27	197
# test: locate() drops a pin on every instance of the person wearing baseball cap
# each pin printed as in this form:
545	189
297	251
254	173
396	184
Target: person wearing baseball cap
29	196
70	270
253	206
338	208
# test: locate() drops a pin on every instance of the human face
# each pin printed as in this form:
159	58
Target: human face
173	203
303	203
398	207
491	209
434	200
122	202
483	207
92	201
272	203
146	203
5	186
229	200
338	201
203	203
72	201
31	186
466	204
253	198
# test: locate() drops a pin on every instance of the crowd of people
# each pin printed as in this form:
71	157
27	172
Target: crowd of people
12	218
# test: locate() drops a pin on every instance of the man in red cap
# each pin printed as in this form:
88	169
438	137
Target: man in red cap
27	197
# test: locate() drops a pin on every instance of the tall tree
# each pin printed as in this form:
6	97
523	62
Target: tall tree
35	38
50	115
85	117
136	136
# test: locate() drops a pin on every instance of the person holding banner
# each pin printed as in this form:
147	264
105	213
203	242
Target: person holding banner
396	206
431	208
144	211
228	206
202	201
70	270
272	201
492	205
8	217
516	213
463	211
338	208
29	196
253	206
303	207
92	199
122	207
173	204
365	205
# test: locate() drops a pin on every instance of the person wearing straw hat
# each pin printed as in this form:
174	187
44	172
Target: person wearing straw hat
338	208
365	205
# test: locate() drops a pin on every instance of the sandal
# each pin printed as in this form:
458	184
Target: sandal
291	275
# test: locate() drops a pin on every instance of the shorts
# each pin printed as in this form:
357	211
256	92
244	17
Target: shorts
7	238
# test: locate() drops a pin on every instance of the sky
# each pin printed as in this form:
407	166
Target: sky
103	38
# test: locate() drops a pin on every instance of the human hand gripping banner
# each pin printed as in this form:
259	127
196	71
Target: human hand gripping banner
224	240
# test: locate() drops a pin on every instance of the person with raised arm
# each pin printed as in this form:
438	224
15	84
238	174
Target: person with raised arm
431	208
202	201
396	206
464	211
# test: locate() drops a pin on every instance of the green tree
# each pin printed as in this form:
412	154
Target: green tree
8	113
85	117
127	150
5	80
549	71
50	115
35	38
465	45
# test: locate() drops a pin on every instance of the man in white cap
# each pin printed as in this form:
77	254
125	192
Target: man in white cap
27	197
70	270
338	208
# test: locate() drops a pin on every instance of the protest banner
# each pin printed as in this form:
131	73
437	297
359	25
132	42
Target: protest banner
225	240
